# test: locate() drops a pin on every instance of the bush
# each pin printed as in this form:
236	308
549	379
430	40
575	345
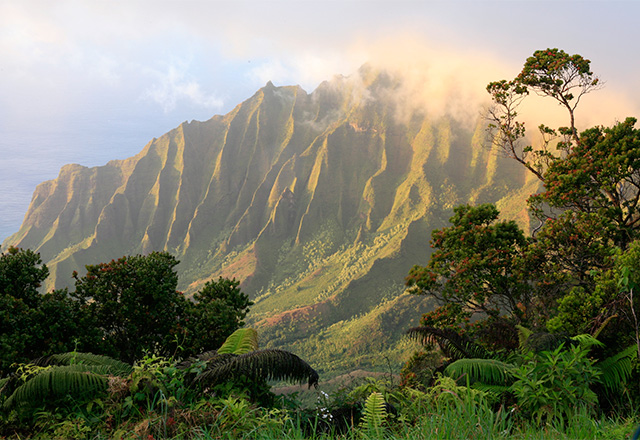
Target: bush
552	385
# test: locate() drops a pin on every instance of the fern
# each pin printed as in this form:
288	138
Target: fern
374	413
523	336
60	381
486	371
496	390
239	356
206	357
270	364
587	341
451	343
116	367
616	369
242	341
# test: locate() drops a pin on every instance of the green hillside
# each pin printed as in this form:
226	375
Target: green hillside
319	203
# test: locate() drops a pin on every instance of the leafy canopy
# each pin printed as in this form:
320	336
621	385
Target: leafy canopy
31	324
475	263
122	308
134	303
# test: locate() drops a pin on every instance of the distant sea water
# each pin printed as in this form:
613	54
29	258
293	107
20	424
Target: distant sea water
30	157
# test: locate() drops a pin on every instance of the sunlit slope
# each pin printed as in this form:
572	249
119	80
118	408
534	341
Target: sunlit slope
319	203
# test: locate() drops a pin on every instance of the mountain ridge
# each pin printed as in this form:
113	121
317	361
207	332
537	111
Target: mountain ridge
318	203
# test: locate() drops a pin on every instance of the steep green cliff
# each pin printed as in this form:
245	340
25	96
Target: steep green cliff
319	203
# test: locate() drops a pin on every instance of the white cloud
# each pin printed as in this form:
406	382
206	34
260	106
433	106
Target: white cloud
270	70
175	85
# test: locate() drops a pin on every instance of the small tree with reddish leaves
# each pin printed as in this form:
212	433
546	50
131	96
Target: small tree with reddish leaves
134	304
476	266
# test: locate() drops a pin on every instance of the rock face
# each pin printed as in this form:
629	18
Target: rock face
319	203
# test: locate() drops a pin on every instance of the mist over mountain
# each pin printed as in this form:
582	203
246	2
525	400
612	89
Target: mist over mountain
319	203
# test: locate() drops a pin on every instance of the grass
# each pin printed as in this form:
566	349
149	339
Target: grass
466	423
444	417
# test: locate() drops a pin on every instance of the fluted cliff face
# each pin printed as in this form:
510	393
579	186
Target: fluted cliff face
319	203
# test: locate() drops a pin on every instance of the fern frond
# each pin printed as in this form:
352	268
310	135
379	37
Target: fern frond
270	364
523	336
212	358
242	341
492	389
206	356
116	367
451	343
616	369
374	412
587	341
487	371
60	381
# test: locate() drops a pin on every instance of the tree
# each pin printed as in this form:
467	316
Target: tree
596	172
600	176
21	274
475	264
588	209
563	77
217	311
31	324
568	254
552	73
120	309
588	212
134	304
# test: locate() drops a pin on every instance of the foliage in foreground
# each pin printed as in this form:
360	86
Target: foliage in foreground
132	409
107	396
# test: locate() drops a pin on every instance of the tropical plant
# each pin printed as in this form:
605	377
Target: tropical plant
76	375
240	361
241	341
550	386
452	344
374	414
550	376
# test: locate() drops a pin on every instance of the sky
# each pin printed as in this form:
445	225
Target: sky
90	81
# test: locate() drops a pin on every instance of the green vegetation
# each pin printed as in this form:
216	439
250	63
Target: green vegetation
80	395
536	335
121	309
548	322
